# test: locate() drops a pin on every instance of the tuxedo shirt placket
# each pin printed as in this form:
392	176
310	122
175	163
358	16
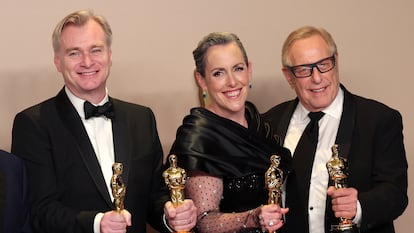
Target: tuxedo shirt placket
99	130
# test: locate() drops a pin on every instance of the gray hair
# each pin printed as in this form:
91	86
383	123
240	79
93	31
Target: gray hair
215	38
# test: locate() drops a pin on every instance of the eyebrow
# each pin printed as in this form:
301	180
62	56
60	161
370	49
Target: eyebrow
310	64
79	49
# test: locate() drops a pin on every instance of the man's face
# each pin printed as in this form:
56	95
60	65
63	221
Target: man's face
319	90
84	60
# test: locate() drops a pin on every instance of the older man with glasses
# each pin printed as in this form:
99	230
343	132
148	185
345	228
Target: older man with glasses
368	134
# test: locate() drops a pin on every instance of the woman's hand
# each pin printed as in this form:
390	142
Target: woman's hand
270	217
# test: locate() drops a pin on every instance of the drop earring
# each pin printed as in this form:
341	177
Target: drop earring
250	85
204	95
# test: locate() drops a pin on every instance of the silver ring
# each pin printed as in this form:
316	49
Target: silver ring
271	223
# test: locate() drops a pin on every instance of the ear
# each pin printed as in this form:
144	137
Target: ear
56	60
201	81
110	57
250	71
202	87
336	58
289	77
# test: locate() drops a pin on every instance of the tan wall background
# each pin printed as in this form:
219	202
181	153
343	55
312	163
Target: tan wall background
153	43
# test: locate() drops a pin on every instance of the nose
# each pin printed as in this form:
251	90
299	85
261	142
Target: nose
231	80
86	60
316	75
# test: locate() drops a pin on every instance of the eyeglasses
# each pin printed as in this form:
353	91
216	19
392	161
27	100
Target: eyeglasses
306	70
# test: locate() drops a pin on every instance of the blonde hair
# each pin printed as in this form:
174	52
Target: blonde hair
303	33
80	18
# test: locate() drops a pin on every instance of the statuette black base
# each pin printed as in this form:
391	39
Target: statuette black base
344	228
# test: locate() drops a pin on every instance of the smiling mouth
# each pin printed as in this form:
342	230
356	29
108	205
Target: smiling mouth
88	73
233	93
318	90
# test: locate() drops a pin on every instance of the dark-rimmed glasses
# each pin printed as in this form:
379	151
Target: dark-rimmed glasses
306	70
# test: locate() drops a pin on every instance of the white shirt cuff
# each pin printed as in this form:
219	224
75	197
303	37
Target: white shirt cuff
97	223
358	217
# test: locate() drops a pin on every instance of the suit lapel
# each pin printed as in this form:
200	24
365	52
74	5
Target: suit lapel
73	123
346	125
285	121
343	140
121	141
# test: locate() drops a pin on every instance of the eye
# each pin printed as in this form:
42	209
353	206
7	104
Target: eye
326	65
323	64
97	50
239	68
217	73
73	53
302	70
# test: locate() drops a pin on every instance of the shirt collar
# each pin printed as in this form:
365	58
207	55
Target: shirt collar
78	102
334	109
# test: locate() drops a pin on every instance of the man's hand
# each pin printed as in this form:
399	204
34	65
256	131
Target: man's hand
344	201
114	222
183	217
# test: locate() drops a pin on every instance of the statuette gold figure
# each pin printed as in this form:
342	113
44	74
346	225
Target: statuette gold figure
174	178
118	186
274	180
338	171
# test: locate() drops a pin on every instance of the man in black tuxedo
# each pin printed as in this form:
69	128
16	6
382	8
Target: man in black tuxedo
69	146
14	200
369	135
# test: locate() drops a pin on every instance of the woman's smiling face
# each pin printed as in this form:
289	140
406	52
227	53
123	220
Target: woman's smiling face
226	80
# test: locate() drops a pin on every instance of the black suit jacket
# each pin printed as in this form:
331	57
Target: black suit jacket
67	185
370	136
14	200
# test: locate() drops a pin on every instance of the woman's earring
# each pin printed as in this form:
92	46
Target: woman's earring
250	85
204	95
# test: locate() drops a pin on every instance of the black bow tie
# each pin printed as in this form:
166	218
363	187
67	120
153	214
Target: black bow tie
96	111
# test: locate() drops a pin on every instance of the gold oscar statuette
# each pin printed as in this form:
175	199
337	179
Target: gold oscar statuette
118	186
274	181
174	178
338	171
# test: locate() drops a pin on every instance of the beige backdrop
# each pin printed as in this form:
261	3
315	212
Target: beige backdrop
153	65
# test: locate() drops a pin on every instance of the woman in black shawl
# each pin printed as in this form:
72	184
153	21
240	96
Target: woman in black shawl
225	147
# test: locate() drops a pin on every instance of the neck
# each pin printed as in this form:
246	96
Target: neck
94	97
